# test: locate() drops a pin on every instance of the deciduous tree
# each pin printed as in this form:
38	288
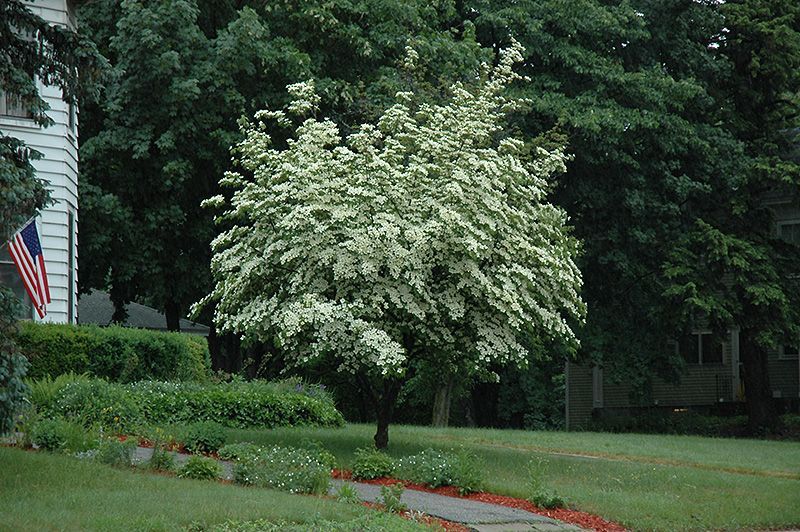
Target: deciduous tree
426	235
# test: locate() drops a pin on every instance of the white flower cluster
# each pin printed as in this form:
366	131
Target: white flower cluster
426	232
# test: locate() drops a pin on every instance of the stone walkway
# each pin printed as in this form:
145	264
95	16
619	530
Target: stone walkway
479	516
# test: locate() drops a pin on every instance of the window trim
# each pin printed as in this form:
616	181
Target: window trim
700	362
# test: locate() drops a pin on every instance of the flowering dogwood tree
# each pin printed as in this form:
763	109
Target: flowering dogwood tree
424	235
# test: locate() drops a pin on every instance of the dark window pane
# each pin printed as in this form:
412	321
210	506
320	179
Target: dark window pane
790	351
712	349
9	278
688	349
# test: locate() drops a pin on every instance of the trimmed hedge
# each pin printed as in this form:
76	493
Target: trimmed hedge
116	353
124	407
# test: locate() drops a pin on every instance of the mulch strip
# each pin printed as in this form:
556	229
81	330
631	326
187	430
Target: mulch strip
574	517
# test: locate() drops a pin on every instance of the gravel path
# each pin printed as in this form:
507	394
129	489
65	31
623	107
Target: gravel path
479	516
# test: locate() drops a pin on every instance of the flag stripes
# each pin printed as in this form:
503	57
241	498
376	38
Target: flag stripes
26	253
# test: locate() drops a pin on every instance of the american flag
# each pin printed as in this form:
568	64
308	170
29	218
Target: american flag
26	252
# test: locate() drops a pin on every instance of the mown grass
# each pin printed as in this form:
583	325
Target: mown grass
646	482
40	491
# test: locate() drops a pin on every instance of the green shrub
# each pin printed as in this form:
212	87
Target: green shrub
116	353
239	451
99	402
438	468
204	437
200	468
59	435
371	463
114	452
391	496
283	468
43	392
161	460
318	451
123	407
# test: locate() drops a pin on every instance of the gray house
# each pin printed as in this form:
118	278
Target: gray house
713	375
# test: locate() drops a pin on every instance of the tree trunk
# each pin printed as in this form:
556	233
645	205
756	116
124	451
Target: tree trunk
120	315
441	403
384	410
761	412
173	312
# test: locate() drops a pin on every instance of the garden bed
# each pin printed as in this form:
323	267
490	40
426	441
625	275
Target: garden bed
574	517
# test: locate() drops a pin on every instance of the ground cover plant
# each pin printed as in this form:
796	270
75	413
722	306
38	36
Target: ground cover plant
104	498
200	468
654	482
291	469
125	407
442	468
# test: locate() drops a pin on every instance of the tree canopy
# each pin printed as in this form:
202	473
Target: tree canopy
424	235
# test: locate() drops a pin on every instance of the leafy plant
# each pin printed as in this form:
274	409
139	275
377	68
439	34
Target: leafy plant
391	496
161	460
126	407
114	452
204	437
323	456
283	468
437	468
59	435
43	392
347	493
239	451
200	468
371	463
537	493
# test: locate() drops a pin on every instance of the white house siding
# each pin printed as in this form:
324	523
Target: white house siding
59	167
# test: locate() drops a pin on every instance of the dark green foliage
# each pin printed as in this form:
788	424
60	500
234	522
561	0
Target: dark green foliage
115	353
200	468
203	437
113	452
12	364
684	423
371	463
283	468
60	435
147	163
122	407
438	468
53	57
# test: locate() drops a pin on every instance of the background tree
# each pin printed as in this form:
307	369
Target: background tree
634	87
32	50
732	265
184	72
425	237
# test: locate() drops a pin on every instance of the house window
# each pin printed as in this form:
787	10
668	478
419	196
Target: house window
790	232
71	114
789	351
701	348
11	105
9	277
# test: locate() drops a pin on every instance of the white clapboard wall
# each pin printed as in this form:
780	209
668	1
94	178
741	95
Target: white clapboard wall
58	166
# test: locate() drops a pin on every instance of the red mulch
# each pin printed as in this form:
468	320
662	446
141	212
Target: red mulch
448	526
575	517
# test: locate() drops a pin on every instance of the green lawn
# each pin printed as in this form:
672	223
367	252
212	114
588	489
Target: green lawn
40	491
643	481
